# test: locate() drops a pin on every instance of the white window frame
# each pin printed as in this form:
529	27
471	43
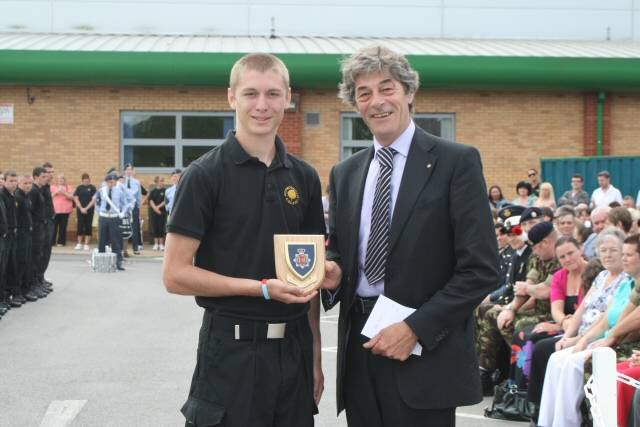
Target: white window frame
178	142
346	145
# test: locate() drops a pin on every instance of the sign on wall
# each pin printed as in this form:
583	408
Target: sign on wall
6	114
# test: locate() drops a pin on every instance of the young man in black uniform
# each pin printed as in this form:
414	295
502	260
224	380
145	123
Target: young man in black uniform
39	231
4	307
50	215
12	294
259	354
24	239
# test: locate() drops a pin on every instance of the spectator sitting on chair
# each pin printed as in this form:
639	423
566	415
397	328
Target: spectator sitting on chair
620	217
566	221
525	196
547	197
576	195
598	221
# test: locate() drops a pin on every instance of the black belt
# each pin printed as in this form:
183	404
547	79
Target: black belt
245	329
364	305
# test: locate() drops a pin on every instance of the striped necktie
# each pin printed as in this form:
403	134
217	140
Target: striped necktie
378	243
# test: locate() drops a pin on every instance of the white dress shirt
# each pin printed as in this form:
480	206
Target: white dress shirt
401	145
601	197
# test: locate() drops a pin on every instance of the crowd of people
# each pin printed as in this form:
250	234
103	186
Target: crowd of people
567	286
34	215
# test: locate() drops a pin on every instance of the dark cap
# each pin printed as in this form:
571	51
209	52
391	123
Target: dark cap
111	176
530	213
510	210
128	165
112	170
539	232
176	171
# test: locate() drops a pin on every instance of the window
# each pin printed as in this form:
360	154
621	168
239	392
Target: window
166	140
355	135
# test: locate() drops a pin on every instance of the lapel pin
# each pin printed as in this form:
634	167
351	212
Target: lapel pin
428	165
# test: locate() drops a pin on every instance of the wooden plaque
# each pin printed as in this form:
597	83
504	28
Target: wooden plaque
300	259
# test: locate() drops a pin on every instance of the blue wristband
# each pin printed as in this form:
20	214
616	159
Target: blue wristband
265	290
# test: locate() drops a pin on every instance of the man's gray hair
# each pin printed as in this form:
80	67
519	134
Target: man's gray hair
376	59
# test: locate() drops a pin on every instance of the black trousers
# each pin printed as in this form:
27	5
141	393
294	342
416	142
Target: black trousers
60	229
23	260
158	224
110	235
3	268
46	246
38	243
85	223
252	381
371	394
11	273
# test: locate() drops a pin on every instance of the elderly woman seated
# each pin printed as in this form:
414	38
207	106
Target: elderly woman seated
563	393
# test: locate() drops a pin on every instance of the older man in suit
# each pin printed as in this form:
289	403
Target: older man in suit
408	219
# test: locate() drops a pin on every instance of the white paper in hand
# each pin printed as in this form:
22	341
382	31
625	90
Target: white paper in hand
387	312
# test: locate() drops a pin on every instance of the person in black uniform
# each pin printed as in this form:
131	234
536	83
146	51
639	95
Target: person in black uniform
40	223
50	215
258	359
24	239
4	307
7	194
158	213
85	202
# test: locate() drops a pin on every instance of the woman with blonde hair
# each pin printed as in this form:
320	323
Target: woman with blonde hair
546	198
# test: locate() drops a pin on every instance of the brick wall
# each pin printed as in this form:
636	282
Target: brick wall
77	129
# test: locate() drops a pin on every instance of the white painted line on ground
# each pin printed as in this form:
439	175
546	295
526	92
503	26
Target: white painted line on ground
61	412
475	417
330	349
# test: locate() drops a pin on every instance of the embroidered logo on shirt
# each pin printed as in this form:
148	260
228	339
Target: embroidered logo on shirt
291	195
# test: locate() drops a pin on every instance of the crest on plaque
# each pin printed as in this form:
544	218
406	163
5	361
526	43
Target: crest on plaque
301	258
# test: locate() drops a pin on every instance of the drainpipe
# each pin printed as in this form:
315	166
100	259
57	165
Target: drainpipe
602	97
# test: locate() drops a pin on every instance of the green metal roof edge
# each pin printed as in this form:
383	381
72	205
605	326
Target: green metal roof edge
94	68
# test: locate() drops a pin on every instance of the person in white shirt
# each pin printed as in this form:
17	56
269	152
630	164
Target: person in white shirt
606	193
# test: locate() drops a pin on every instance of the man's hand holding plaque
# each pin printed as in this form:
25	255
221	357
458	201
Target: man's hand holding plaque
300	260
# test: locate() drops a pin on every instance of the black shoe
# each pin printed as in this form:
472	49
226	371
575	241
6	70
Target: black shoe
20	298
3	311
486	379
136	252
126	254
5	306
15	303
39	292
30	297
48	283
120	267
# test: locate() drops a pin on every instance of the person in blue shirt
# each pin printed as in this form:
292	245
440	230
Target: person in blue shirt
134	188
112	205
170	193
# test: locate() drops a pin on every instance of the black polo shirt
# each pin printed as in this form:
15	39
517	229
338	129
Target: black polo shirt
85	193
234	204
24	210
37	205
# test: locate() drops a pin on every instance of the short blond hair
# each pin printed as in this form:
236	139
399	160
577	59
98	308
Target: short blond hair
258	62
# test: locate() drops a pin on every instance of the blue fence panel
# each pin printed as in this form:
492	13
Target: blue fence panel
625	172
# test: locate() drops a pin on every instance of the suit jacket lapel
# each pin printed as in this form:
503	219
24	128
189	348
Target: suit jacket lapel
417	171
359	177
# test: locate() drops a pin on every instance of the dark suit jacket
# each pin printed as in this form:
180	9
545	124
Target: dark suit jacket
443	260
